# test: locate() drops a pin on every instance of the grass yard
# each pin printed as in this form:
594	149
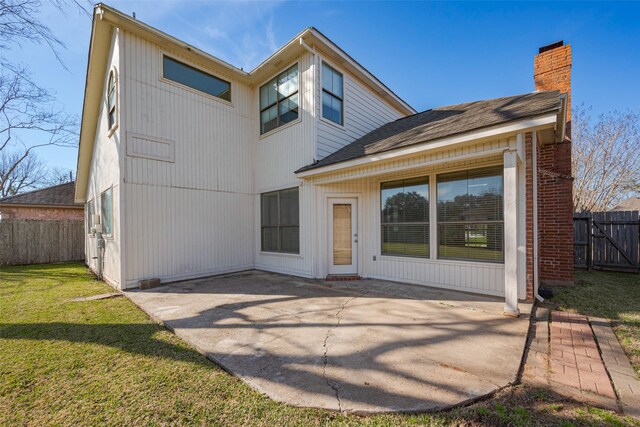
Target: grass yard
615	296
106	363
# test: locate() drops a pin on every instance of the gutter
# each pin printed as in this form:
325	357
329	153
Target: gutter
540	122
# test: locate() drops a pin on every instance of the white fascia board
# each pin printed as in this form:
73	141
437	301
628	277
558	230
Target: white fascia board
536	123
360	69
120	20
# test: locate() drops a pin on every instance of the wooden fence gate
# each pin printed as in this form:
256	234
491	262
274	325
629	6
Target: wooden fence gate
607	241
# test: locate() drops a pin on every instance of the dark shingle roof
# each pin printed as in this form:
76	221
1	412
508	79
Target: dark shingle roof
443	122
58	195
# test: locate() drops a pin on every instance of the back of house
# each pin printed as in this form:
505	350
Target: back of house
307	165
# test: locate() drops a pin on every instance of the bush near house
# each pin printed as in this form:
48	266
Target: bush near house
105	362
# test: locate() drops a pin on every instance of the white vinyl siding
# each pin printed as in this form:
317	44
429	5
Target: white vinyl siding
105	172
362	112
189	199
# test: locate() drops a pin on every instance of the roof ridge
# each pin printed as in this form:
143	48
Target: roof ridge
442	107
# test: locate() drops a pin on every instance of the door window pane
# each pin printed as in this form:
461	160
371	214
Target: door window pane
342	249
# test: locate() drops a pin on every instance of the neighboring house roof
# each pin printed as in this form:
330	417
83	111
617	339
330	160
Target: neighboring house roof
630	204
105	18
443	122
61	195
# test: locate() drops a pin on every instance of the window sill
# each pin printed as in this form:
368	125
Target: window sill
439	261
334	124
283	127
198	92
281	254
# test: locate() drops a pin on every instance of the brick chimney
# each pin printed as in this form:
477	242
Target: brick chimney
552	71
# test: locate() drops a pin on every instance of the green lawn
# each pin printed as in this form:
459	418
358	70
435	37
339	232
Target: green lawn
106	363
615	296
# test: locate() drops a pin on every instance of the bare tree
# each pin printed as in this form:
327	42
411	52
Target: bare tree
56	176
27	113
29	116
605	158
27	174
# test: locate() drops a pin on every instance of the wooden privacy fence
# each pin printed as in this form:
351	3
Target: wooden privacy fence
40	241
607	241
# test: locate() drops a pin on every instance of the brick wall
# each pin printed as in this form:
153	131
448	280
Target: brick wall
528	148
41	213
552	71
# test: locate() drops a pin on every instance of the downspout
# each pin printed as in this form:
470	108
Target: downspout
534	166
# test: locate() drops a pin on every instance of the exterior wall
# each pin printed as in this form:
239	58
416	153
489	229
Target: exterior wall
187	213
105	173
552	71
278	154
364	111
530	275
477	277
15	212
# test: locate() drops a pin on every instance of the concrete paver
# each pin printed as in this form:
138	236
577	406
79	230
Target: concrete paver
622	374
363	346
575	360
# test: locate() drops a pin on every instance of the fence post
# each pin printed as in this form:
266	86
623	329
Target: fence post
589	243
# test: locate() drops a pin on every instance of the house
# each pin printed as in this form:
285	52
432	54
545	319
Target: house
53	203
630	204
309	165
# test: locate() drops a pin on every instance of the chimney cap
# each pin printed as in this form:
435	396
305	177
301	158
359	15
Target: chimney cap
551	46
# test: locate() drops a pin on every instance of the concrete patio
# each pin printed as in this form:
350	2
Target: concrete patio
363	346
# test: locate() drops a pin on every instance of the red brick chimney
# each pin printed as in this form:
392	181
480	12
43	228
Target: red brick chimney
552	71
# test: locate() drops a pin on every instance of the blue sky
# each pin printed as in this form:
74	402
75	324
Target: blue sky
430	54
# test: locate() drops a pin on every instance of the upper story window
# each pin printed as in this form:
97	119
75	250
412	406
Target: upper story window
106	211
279	100
195	79
111	100
470	215
332	98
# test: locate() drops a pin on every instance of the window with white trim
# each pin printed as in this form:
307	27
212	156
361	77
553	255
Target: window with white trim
189	76
471	215
111	100
405	217
280	221
332	94
106	211
90	210
279	100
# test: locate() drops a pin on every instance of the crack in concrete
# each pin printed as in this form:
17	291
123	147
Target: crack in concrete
326	348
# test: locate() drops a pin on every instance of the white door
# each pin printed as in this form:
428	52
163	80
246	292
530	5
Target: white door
343	236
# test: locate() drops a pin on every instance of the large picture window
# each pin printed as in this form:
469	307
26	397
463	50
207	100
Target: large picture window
192	77
106	212
332	94
470	215
279	100
405	217
280	221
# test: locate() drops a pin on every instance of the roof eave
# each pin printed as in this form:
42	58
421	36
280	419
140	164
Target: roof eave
545	121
